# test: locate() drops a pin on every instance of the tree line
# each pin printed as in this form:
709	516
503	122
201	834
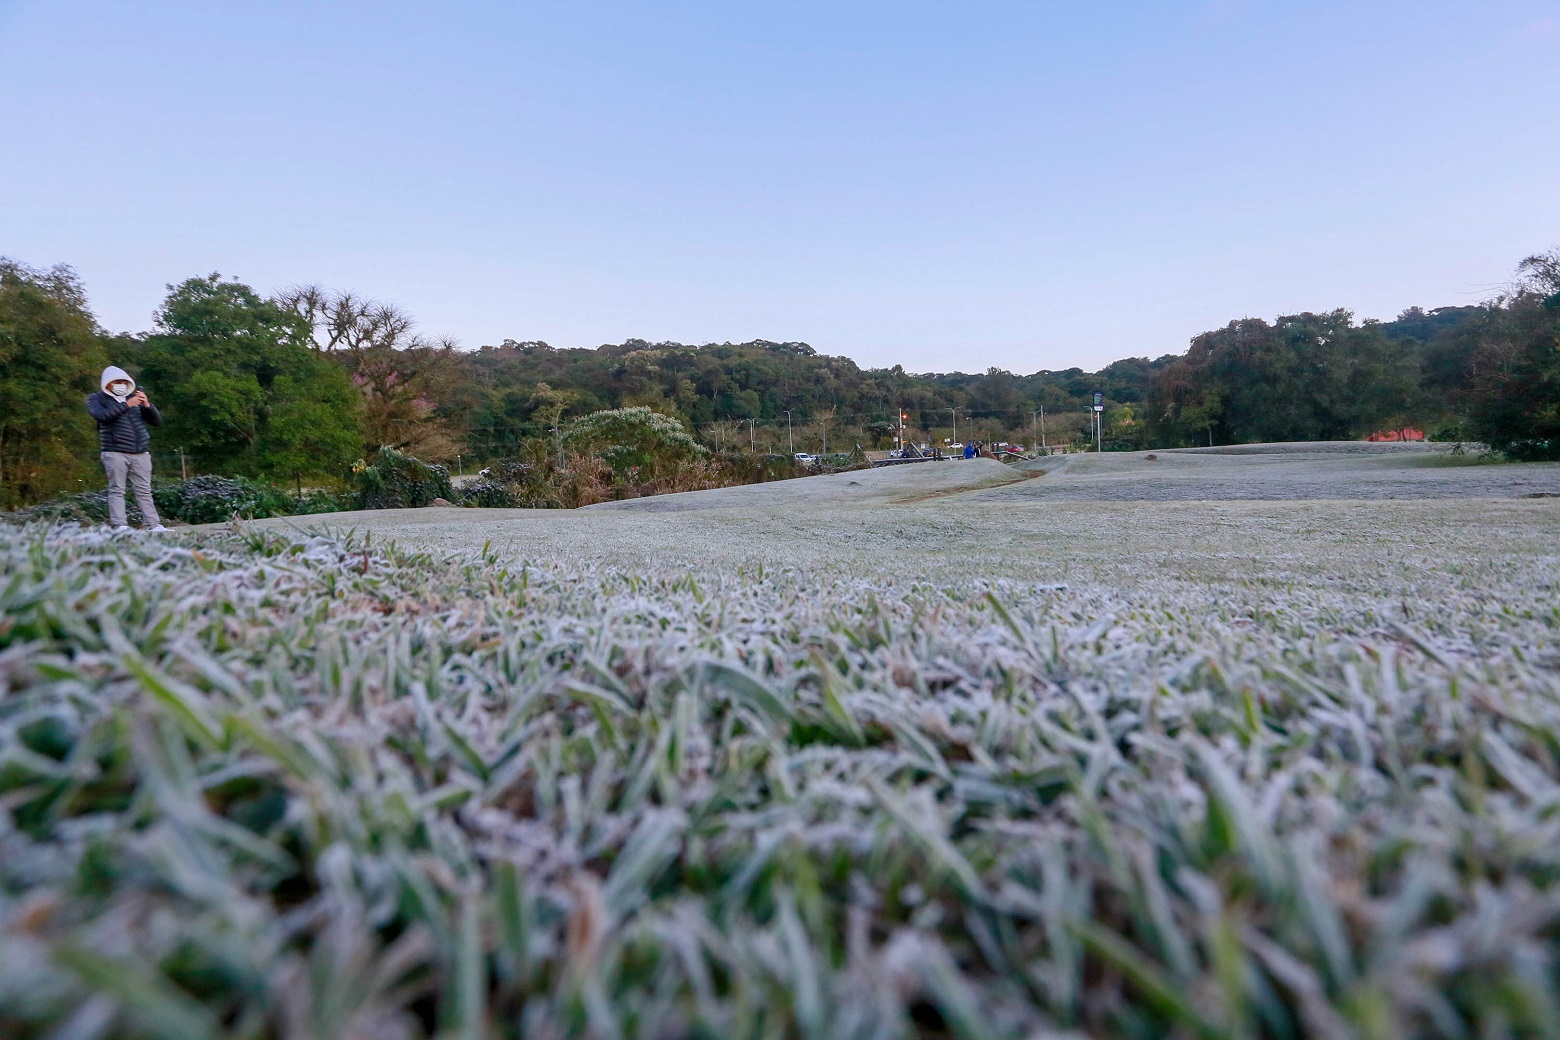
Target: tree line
300	384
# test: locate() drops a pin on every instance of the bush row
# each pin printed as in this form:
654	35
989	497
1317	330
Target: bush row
387	480
390	479
201	500
548	482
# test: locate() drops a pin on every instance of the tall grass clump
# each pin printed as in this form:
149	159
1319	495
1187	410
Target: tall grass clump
256	786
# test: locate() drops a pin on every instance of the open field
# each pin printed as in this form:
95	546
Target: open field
1373	472
931	751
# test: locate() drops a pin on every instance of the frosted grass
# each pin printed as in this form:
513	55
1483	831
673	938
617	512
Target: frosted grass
261	784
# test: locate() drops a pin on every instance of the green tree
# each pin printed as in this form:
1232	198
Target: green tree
1204	413
1123	428
241	388
882	431
1514	383
405	379
306	425
1305	377
51	356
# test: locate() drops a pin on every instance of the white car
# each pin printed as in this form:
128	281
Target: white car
806	459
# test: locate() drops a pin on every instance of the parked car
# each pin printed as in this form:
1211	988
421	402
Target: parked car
806	459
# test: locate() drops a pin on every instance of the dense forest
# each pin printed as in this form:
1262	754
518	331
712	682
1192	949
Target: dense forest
306	381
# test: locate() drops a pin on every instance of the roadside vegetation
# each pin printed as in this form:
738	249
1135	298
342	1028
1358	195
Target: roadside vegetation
294	388
285	785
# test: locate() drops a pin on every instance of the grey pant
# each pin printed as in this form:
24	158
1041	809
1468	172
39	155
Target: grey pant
139	469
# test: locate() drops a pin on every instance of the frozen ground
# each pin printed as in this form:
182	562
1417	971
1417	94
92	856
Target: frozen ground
1367	472
910	753
1320	515
907	482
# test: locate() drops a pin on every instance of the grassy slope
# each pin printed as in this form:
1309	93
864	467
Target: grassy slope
855	770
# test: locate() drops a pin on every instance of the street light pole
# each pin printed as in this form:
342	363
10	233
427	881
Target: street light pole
954	414
788	438
752	437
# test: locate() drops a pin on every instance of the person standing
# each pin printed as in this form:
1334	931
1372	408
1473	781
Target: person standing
123	413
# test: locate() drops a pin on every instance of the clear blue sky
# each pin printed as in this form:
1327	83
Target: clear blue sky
944	185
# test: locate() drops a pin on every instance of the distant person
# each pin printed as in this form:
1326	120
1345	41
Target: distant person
123	413
969	449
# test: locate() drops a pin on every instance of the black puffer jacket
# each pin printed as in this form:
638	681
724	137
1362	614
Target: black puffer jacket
122	427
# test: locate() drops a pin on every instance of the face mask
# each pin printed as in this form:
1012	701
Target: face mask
119	391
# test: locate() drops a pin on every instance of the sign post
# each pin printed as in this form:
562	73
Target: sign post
1099	434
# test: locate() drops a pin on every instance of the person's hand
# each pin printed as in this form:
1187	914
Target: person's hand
138	399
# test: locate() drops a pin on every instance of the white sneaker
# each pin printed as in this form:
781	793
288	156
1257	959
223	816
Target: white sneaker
159	529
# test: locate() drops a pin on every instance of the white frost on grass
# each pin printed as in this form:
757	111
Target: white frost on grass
936	768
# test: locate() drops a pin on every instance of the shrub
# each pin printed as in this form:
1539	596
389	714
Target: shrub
488	493
391	480
200	500
325	501
87	507
747	468
1450	432
210	500
509	471
582	480
638	444
840	461
541	484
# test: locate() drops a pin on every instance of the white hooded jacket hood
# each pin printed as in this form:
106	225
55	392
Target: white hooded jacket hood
111	374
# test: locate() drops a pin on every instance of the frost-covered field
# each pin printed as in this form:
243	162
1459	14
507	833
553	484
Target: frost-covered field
1372	472
884	761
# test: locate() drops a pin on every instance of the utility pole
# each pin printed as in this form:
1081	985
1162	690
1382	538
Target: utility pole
788	438
752	437
183	474
954	412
